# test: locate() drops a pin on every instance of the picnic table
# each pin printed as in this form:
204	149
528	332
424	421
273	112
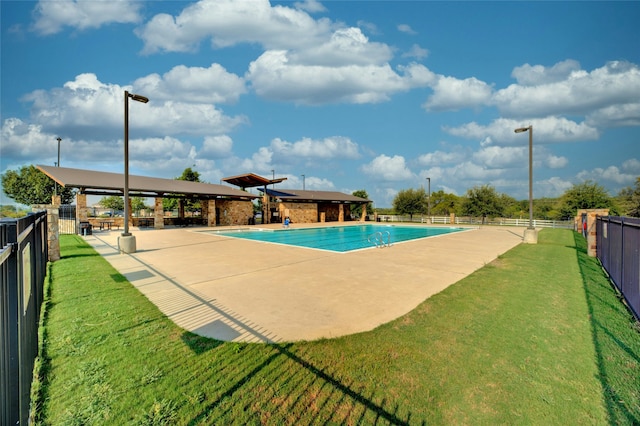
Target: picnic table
106	224
145	222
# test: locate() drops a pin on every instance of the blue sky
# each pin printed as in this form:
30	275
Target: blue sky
373	95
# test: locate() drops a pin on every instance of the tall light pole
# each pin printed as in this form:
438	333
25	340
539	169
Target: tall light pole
127	242
429	198
57	164
302	182
530	235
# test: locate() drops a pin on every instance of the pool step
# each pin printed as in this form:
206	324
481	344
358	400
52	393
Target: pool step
377	238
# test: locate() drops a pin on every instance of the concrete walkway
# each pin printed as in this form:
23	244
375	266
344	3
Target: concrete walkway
237	290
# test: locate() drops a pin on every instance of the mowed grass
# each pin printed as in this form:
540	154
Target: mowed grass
536	337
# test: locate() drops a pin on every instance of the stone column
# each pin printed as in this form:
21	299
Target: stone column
53	232
158	214
340	212
364	213
82	212
56	200
452	218
211	212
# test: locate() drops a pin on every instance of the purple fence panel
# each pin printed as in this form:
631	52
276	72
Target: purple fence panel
618	240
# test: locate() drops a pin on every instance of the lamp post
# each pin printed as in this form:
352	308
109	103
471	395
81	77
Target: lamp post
530	235
127	242
57	165
429	199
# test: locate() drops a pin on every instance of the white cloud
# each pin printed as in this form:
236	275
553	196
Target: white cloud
437	158
273	77
611	174
450	93
551	188
581	92
216	146
193	84
311	6
555	162
229	22
404	28
328	148
498	157
387	168
346	46
52	16
545	130
416	52
631	165
616	116
86	108
528	75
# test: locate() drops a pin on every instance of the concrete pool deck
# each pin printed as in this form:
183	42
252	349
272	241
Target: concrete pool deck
238	290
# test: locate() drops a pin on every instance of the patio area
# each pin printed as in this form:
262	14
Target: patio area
237	290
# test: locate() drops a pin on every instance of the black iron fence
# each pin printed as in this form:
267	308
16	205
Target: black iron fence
23	266
618	248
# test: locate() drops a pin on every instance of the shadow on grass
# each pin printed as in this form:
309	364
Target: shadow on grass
305	378
615	341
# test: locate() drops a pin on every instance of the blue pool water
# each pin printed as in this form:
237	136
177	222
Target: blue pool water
340	238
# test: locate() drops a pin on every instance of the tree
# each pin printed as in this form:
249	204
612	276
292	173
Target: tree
356	209
112	202
585	195
30	186
443	204
169	204
629	199
410	201
483	201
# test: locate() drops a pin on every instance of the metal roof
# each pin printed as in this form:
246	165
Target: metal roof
314	196
250	180
104	183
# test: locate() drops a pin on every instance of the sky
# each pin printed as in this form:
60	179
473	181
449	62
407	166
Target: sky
333	95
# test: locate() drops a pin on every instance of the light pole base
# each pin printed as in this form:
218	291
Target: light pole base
530	236
127	244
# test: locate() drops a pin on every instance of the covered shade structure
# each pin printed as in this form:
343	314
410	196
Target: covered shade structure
221	205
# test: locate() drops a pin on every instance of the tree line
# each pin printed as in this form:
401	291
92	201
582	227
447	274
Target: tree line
485	202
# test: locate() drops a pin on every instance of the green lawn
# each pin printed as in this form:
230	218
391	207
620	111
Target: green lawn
536	337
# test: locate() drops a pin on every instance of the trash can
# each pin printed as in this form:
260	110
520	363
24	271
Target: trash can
85	228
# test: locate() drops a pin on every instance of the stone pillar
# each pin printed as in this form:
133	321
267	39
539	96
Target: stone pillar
340	212
591	232
56	200
158	214
452	218
211	212
82	212
323	217
364	213
53	232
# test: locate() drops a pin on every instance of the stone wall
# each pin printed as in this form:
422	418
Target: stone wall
233	212
299	212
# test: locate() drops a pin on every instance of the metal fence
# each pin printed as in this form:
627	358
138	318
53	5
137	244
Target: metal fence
67	219
537	223
23	265
618	249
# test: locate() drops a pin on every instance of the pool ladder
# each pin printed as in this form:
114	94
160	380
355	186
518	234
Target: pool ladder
378	238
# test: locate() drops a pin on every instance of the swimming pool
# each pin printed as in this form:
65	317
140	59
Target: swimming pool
340	238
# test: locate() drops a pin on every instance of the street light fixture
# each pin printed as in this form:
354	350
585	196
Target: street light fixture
530	235
127	242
